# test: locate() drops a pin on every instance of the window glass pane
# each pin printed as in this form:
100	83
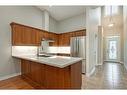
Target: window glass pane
110	10
112	50
107	10
114	9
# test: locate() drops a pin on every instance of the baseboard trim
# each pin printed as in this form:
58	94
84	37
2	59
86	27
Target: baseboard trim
112	61
120	62
90	73
9	76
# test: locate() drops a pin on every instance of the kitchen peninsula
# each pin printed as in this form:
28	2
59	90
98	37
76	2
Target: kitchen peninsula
47	72
56	72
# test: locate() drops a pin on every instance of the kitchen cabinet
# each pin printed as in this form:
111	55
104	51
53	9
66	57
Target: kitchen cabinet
64	38
33	72
37	72
42	76
22	35
26	35
16	35
25	68
55	38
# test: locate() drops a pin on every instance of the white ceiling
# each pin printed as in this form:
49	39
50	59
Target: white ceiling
63	12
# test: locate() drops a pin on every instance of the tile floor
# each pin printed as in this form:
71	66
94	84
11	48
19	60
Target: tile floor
107	76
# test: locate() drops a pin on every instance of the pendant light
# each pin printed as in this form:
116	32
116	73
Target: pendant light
111	23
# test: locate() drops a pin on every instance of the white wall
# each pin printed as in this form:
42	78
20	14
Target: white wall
53	25
72	24
93	20
21	14
125	34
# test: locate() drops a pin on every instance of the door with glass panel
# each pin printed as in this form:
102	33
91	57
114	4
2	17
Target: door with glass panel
113	48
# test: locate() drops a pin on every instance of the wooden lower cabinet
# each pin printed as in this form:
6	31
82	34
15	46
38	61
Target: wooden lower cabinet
25	68
37	73
57	78
43	76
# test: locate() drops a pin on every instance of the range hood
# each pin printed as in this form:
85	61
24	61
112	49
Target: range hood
48	40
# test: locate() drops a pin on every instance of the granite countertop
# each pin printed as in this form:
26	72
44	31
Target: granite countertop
56	61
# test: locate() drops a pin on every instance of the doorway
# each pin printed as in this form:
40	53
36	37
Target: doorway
113	48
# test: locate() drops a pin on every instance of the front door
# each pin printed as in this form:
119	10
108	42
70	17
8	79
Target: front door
113	48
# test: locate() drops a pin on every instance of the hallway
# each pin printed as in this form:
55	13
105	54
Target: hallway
107	76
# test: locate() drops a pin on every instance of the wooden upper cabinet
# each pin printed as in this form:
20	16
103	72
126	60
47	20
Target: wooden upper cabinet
55	38
16	39
26	35
64	38
22	35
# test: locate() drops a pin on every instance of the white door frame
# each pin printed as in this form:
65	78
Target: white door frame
93	20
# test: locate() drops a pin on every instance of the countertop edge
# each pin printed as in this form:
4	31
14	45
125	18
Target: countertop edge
46	63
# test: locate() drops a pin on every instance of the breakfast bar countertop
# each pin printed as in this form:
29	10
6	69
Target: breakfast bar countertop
56	61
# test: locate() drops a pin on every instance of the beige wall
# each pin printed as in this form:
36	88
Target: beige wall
117	30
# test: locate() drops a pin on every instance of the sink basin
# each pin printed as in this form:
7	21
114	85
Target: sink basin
44	55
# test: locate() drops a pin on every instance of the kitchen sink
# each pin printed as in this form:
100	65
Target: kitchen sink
44	55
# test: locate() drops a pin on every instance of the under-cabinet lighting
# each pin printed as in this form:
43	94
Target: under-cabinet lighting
24	50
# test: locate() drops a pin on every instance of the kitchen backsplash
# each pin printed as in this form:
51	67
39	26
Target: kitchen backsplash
24	50
65	50
32	50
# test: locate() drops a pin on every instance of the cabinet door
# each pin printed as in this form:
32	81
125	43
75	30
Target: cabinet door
23	35
37	73
16	35
25	68
67	39
46	35
26	36
72	34
36	37
60	39
64	39
54	37
81	33
78	33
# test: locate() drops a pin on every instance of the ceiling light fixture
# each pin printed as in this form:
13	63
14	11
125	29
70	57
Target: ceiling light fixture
111	25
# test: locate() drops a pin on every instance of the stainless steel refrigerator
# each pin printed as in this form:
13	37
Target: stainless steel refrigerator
78	49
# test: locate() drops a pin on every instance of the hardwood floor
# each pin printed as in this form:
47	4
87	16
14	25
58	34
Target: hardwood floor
108	76
15	83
